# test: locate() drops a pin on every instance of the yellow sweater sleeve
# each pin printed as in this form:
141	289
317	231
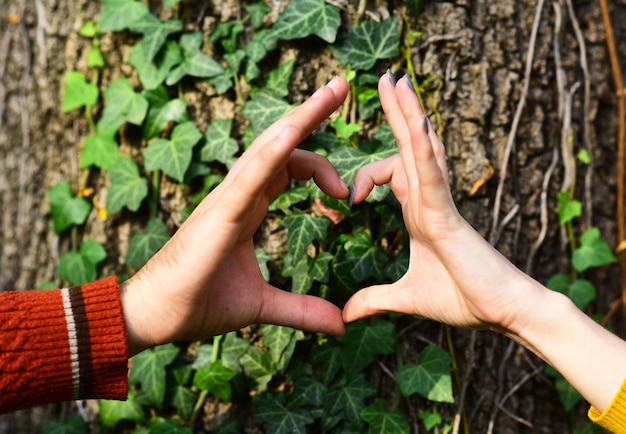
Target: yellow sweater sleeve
614	417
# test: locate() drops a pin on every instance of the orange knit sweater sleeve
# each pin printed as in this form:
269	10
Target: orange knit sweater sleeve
62	345
614	417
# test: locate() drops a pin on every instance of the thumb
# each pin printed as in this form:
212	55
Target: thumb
378	299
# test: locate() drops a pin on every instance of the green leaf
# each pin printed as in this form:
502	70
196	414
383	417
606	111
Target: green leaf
583	156
259	366
303	229
593	251
287	199
163	110
78	92
383	421
257	12
364	341
173	156
154	72
66	210
431	378
112	412
89	29
307	391
430	419
204	357
95	59
170	3
348	161
215	380
195	62
148	369
93	251
233	349
348	397
369	260
278	79
143	246
301	279
280	419
368	42
568	208
171	426
345	130
307	17
581	291
262	259
329	358
117	15
398	268
155	33
122	105
101	150
263	108
72	425
76	269
178	393
219	145
128	188
281	342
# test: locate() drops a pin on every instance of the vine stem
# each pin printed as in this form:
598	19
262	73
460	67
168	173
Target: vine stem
217	344
621	145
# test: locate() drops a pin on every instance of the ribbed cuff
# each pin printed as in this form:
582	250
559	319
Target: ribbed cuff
61	345
614	417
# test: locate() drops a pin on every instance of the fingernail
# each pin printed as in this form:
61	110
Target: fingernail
318	92
392	78
333	83
410	82
351	197
425	121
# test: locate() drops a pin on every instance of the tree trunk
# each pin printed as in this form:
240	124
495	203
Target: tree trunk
476	52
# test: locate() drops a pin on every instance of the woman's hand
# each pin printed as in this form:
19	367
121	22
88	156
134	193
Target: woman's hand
454	275
206	281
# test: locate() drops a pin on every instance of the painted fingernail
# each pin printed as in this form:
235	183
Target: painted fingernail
392	78
425	121
351	197
333	83
410	82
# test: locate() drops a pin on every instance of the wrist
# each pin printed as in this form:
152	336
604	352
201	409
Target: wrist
134	310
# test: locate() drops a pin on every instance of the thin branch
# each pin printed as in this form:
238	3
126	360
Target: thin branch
621	144
495	228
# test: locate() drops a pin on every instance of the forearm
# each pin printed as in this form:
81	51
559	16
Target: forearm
591	358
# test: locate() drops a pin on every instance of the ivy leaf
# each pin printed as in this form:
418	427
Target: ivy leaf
178	393
78	92
122	105
348	397
383	421
128	188
263	108
431	378
72	425
257	12
233	349
301	279
66	210
281	342
74	268
329	358
117	15
348	161
280	419
278	79
155	33
368	42
364	341
581	292
430	419
593	251
204	357
568	208
307	17
100	150
262	259
259	366
163	110
344	129
287	199
173	156
89	29
149	370
369	260
195	62
143	246
219	145
112	412
398	268
153	72
215	380
95	59
302	230
307	391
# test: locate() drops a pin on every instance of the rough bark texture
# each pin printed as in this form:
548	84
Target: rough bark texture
476	51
